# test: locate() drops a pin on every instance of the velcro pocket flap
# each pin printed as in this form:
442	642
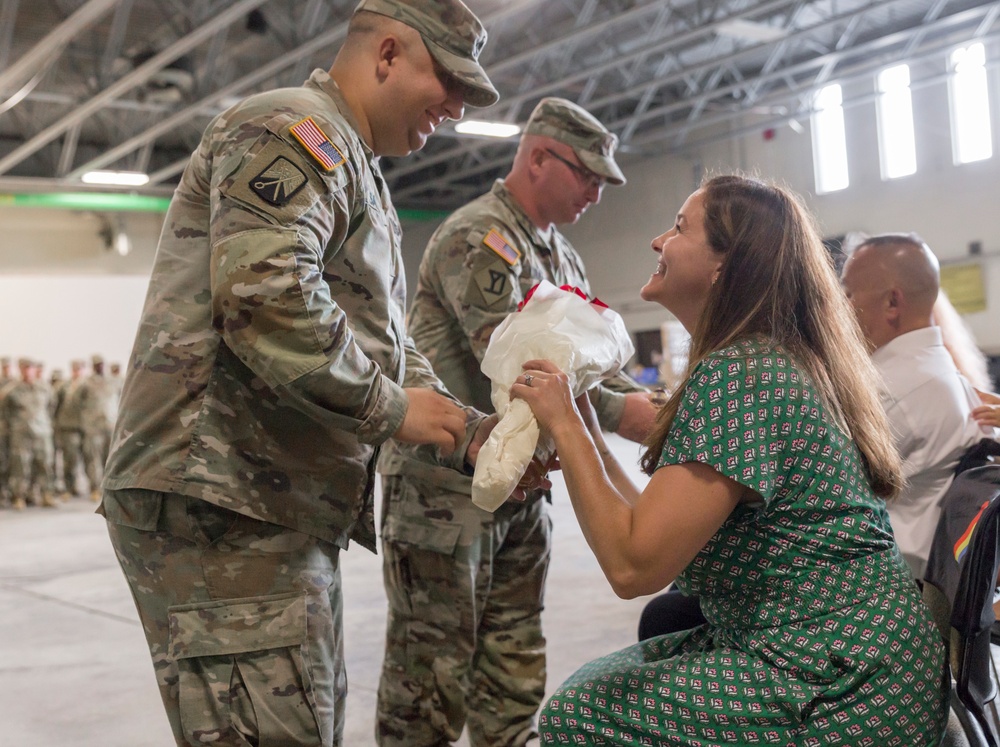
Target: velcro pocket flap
235	626
426	534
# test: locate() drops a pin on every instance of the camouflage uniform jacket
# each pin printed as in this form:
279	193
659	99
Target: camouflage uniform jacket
27	410
271	350
97	399
6	385
67	410
465	288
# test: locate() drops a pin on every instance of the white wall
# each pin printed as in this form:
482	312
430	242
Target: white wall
56	319
950	206
63	294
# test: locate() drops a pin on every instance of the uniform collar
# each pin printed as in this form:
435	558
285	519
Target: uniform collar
321	79
541	238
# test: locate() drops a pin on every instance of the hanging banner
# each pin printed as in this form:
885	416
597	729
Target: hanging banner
965	287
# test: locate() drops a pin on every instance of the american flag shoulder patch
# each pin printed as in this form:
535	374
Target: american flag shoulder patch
495	241
317	143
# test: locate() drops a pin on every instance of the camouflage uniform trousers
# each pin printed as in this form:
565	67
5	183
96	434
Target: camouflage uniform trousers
31	467
243	621
96	443
71	441
464	640
4	469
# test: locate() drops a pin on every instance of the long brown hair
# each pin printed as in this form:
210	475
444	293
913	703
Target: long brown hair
777	280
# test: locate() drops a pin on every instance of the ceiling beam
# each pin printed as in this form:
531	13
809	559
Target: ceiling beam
130	81
304	50
40	55
417	162
755	81
184	115
8	16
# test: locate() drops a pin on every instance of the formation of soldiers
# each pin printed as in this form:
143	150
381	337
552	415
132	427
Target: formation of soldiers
54	435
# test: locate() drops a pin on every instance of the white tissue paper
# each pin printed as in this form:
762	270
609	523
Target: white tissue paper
585	339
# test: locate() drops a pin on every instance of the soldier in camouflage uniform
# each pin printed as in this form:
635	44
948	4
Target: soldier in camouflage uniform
464	641
117	380
26	409
271	363
7	383
98	410
56	382
69	427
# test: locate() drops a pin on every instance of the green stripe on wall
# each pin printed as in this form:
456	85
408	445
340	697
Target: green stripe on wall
107	201
115	202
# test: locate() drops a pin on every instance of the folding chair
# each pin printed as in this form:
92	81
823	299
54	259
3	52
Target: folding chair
972	616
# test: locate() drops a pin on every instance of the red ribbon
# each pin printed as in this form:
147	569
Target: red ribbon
569	289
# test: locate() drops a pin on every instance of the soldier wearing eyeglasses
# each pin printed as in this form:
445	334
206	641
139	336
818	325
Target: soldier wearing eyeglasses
465	586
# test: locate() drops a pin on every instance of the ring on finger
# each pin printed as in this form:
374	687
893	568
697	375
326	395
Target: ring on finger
527	379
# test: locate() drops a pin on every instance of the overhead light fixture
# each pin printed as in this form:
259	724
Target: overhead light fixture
487	129
122	243
751	31
116	178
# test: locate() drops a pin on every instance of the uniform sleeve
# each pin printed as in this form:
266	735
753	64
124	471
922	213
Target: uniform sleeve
719	424
481	284
420	373
276	216
608	399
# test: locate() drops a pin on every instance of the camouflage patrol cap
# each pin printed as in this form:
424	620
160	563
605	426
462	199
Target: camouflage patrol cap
568	123
96	360
453	35
4	361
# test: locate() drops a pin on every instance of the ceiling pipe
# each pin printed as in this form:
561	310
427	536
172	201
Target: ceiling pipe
40	55
126	83
419	162
305	49
959	18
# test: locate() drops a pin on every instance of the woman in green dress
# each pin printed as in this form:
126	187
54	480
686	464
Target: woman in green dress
768	474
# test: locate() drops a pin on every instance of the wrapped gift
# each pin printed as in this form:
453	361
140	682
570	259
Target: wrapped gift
584	338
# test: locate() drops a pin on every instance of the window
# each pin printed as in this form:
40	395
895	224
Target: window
829	140
895	123
970	105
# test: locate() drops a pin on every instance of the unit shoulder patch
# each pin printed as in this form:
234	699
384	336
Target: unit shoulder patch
494	285
279	182
317	144
502	247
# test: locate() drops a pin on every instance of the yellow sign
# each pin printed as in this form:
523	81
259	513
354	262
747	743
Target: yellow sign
964	286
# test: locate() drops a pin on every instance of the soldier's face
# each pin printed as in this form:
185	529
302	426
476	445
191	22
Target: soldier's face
569	188
418	97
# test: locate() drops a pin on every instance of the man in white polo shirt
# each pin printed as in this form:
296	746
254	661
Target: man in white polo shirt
893	280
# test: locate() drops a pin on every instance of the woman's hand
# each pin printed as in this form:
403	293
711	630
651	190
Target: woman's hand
988	415
989	398
547	392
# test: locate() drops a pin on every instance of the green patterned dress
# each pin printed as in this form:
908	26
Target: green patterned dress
816	634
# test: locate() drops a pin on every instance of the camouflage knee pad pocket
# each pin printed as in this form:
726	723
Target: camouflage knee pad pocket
244	664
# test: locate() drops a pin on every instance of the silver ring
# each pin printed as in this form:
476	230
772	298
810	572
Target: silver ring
527	379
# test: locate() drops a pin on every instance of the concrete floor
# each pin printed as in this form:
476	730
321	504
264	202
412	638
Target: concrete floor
74	668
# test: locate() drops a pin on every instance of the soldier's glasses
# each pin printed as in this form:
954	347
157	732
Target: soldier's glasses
587	177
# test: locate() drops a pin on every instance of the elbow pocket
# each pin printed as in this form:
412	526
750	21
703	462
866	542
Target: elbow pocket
265	301
244	668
